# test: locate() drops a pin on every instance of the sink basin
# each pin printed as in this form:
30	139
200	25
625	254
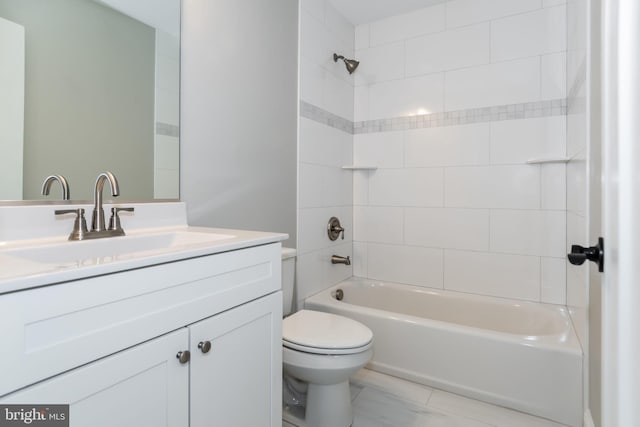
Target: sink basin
100	251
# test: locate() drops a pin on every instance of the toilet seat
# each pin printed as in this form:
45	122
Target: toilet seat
324	333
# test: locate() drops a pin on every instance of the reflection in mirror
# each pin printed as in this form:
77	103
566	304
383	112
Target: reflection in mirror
91	86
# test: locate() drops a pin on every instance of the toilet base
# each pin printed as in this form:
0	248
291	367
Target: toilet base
328	410
329	405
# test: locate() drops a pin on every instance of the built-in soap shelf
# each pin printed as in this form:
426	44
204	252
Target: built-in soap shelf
547	160
360	167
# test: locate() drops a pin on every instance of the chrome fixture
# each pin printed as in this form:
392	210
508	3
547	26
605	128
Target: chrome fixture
334	229
184	356
80	231
337	259
351	64
48	181
97	220
98	229
204	346
338	294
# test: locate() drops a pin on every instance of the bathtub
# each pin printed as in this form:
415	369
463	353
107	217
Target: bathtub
517	354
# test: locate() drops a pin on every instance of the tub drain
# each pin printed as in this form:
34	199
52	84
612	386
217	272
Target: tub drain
338	294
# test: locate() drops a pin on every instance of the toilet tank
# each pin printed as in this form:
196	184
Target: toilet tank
288	279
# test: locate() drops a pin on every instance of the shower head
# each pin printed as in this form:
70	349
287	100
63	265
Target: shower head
351	64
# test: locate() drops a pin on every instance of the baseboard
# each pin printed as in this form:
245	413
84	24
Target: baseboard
588	420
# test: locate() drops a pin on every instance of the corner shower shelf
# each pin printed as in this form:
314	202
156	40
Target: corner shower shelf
364	168
548	160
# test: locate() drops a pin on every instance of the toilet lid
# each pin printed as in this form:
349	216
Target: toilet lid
319	332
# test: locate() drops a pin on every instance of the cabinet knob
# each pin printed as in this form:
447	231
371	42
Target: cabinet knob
204	346
183	356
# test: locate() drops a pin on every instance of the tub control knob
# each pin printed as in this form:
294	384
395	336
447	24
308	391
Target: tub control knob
334	229
581	254
204	346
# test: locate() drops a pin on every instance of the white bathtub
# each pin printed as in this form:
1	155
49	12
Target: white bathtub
517	354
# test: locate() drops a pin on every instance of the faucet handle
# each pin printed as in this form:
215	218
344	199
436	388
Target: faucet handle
79	225
334	229
114	221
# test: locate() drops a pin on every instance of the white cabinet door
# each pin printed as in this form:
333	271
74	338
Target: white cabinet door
144	386
237	383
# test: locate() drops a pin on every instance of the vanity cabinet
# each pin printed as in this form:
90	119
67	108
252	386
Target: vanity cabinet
237	382
144	386
108	345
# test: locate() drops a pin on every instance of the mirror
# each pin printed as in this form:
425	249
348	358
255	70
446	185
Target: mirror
89	86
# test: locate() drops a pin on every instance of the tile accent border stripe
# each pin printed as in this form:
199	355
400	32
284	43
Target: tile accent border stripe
319	115
167	129
525	110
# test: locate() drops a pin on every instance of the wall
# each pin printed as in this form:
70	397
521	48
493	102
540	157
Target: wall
12	54
325	145
71	45
583	185
450	103
238	114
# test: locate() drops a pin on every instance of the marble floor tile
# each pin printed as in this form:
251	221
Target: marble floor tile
485	412
381	400
375	408
400	388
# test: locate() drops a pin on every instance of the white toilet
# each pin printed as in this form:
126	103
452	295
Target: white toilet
323	350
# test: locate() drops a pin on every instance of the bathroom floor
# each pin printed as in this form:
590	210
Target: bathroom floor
384	401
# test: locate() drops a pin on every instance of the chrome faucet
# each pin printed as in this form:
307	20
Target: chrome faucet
97	220
48	181
98	229
337	259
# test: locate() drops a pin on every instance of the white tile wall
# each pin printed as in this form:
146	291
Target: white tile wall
504	275
448	50
406	264
361	103
324	145
362	37
378	224
465	12
457	206
380	63
554	273
449	206
554	186
500	83
529	34
384	150
324	188
447	228
406	97
516	141
509	187
532	232
553	77
448	146
401	27
406	187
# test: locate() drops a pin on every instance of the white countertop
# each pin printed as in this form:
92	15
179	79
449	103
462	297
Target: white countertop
18	273
30	262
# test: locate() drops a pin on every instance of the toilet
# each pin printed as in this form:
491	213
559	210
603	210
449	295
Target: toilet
320	351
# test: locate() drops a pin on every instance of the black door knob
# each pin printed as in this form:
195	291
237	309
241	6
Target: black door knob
580	254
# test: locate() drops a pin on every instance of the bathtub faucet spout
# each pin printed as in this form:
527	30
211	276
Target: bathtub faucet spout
337	259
